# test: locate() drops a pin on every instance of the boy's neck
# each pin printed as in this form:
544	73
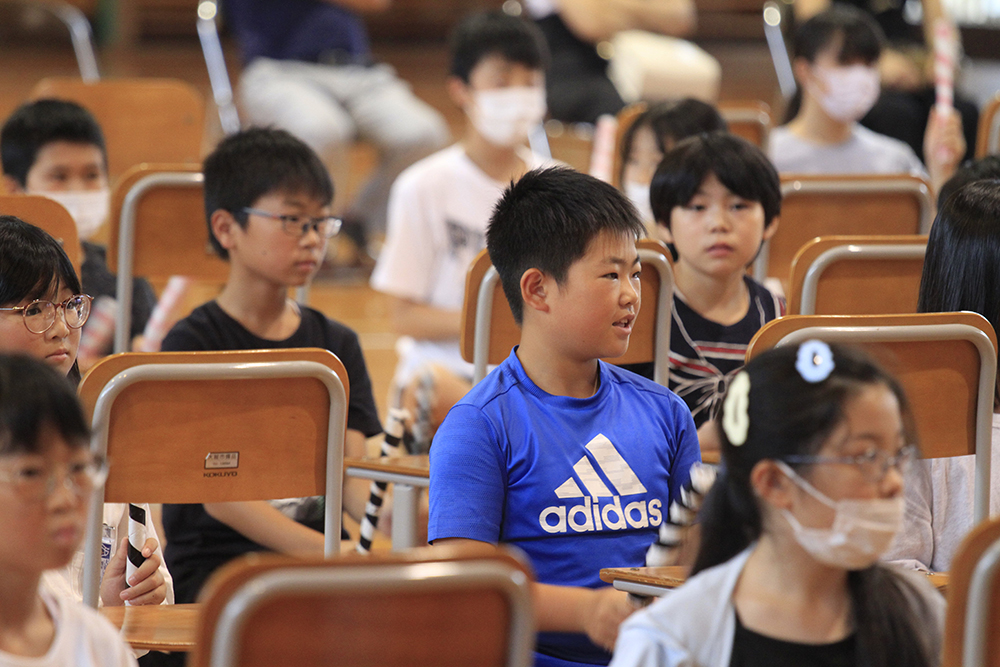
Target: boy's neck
815	126
501	163
25	625
725	301
261	307
551	371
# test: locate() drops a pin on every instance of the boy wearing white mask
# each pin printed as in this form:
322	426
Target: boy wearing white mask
836	65
55	148
440	206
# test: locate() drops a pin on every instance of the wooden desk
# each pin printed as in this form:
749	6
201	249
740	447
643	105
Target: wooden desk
166	627
657	581
407	474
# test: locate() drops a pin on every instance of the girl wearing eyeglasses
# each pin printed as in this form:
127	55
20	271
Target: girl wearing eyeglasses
46	477
41	313
815	441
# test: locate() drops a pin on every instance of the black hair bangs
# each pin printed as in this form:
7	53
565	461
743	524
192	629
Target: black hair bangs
496	33
32	263
739	165
860	37
34	395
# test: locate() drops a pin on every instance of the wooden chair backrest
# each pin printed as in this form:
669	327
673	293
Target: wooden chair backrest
505	334
160	432
988	134
143	120
895	204
949	378
977	544
626	117
856	275
51	216
750	119
443	605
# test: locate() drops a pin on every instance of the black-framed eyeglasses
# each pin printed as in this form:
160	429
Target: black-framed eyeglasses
874	463
36	482
299	225
40	315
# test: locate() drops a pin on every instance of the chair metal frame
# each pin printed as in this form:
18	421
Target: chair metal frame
664	306
215	62
238	369
851	331
972	591
79	33
977	614
417	577
835	185
988	134
848	252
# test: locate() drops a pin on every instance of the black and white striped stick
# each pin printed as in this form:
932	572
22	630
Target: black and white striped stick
394	428
136	539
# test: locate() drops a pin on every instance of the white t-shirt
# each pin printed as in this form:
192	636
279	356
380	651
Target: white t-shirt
83	639
865	152
539	9
439	209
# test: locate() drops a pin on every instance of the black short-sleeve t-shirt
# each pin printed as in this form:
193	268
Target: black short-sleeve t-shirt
197	544
751	649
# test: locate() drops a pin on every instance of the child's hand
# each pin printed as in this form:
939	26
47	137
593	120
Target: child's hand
610	608
147	586
944	145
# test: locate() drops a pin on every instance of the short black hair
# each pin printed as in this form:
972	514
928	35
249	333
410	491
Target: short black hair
34	395
862	38
33	125
32	263
250	164
485	34
672	122
984	168
546	221
738	164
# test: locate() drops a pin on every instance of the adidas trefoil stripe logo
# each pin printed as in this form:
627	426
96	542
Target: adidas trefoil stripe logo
593	515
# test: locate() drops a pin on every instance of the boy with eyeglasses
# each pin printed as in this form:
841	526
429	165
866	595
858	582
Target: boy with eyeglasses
267	203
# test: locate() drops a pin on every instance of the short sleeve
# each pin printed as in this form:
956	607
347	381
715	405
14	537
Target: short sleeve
183	338
639	646
688	451
362	415
468	480
915	540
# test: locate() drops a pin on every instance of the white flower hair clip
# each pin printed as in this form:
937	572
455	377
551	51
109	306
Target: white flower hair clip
736	410
815	361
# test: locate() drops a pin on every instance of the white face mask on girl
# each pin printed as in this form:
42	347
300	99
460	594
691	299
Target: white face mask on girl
639	196
862	530
89	209
505	116
851	91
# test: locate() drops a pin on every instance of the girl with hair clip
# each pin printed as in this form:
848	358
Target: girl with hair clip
835	58
47	475
960	273
42	309
815	441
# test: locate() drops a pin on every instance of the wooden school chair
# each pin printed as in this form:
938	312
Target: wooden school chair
446	606
143	120
972	615
51	216
749	119
201	427
821	205
946	362
988	134
626	117
489	331
856	275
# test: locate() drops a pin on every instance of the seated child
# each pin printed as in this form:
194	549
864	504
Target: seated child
42	309
571	459
47	475
716	199
835	58
653	133
439	207
963	252
55	148
267	202
810	494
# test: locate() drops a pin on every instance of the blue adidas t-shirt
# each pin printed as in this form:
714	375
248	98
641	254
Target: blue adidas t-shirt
578	484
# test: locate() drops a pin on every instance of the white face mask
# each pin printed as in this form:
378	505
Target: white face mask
639	195
851	91
505	116
89	209
862	530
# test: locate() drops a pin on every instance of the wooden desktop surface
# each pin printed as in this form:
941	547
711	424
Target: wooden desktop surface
167	627
417	465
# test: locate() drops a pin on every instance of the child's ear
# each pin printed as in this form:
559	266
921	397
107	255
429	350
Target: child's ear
535	290
11	186
223	224
801	70
772	485
771	229
458	91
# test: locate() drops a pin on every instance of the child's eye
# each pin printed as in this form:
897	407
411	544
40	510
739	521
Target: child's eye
637	275
29	473
613	275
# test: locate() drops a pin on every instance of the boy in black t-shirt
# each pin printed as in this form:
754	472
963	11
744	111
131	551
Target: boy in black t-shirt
267	200
716	198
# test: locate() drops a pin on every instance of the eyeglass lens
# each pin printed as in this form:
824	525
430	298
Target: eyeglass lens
39	316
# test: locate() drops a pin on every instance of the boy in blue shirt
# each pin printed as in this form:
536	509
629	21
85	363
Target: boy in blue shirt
571	459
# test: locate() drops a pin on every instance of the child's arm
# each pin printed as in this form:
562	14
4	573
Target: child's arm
257	520
410	318
596	20
944	146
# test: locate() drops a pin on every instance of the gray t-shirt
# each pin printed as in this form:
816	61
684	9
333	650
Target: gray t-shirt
865	152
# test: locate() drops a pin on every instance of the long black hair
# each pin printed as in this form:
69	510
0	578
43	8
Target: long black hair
790	416
34	395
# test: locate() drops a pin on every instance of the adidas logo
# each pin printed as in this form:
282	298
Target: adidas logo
601	508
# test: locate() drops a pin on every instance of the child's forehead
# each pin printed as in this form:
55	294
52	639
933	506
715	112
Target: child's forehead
290	197
495	65
611	246
70	153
